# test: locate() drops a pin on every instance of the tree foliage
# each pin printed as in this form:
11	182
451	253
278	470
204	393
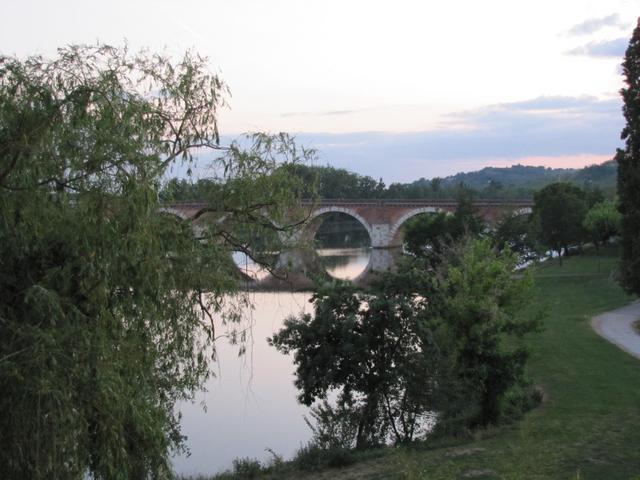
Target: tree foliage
629	168
480	304
374	351
516	232
107	306
560	209
427	235
417	345
602	222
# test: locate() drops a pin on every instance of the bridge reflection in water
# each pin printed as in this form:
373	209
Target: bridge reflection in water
359	265
298	269
345	263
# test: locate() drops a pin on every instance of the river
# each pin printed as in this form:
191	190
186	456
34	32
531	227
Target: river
251	403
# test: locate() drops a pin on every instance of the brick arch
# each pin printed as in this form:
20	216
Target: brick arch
312	225
175	212
394	232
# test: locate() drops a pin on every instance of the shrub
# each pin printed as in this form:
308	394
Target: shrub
312	457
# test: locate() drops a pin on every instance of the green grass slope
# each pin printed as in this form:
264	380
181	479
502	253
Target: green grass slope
588	426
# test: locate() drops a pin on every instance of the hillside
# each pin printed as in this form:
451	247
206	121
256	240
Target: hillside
602	176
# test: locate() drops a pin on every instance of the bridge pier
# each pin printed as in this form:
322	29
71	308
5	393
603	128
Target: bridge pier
380	235
383	259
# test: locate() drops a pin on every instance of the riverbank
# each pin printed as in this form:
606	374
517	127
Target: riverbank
588	425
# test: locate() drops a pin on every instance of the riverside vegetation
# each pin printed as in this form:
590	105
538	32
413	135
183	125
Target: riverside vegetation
587	426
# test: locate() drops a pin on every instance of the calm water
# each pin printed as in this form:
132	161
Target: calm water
342	263
345	263
251	404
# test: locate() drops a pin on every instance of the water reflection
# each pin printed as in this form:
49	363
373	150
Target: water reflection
343	245
252	270
251	404
345	263
343	248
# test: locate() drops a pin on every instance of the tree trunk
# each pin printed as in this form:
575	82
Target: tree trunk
367	423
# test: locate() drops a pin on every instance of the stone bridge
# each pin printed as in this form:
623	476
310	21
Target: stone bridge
382	219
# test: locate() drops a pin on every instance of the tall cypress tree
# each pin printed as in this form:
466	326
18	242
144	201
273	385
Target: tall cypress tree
629	168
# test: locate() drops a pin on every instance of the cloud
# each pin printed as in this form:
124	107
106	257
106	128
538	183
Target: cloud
544	127
592	25
607	48
554	103
548	130
323	114
339	112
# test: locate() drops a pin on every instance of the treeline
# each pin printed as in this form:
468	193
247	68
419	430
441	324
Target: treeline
564	218
529	179
328	182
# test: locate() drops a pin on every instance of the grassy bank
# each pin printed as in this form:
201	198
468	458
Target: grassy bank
588	426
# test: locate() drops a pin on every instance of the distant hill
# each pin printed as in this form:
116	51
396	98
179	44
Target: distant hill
517	180
603	176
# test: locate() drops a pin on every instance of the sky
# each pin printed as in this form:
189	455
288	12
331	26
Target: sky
396	90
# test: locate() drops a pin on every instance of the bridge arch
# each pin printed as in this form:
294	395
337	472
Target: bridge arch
394	239
174	211
313	224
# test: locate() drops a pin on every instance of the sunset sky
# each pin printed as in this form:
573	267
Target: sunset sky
398	90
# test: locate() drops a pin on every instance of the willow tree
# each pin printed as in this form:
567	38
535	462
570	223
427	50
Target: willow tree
629	168
108	308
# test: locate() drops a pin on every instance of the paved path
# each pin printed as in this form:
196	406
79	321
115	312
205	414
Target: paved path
616	326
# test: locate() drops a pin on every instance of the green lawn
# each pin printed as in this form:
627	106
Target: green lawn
588	426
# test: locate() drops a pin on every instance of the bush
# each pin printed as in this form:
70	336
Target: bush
246	467
519	401
311	457
333	426
243	468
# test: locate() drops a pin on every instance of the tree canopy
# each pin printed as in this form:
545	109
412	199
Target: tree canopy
629	168
516	232
560	209
108	308
423	343
372	350
602	222
491	183
427	235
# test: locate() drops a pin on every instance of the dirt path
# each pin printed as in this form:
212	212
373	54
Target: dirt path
617	327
